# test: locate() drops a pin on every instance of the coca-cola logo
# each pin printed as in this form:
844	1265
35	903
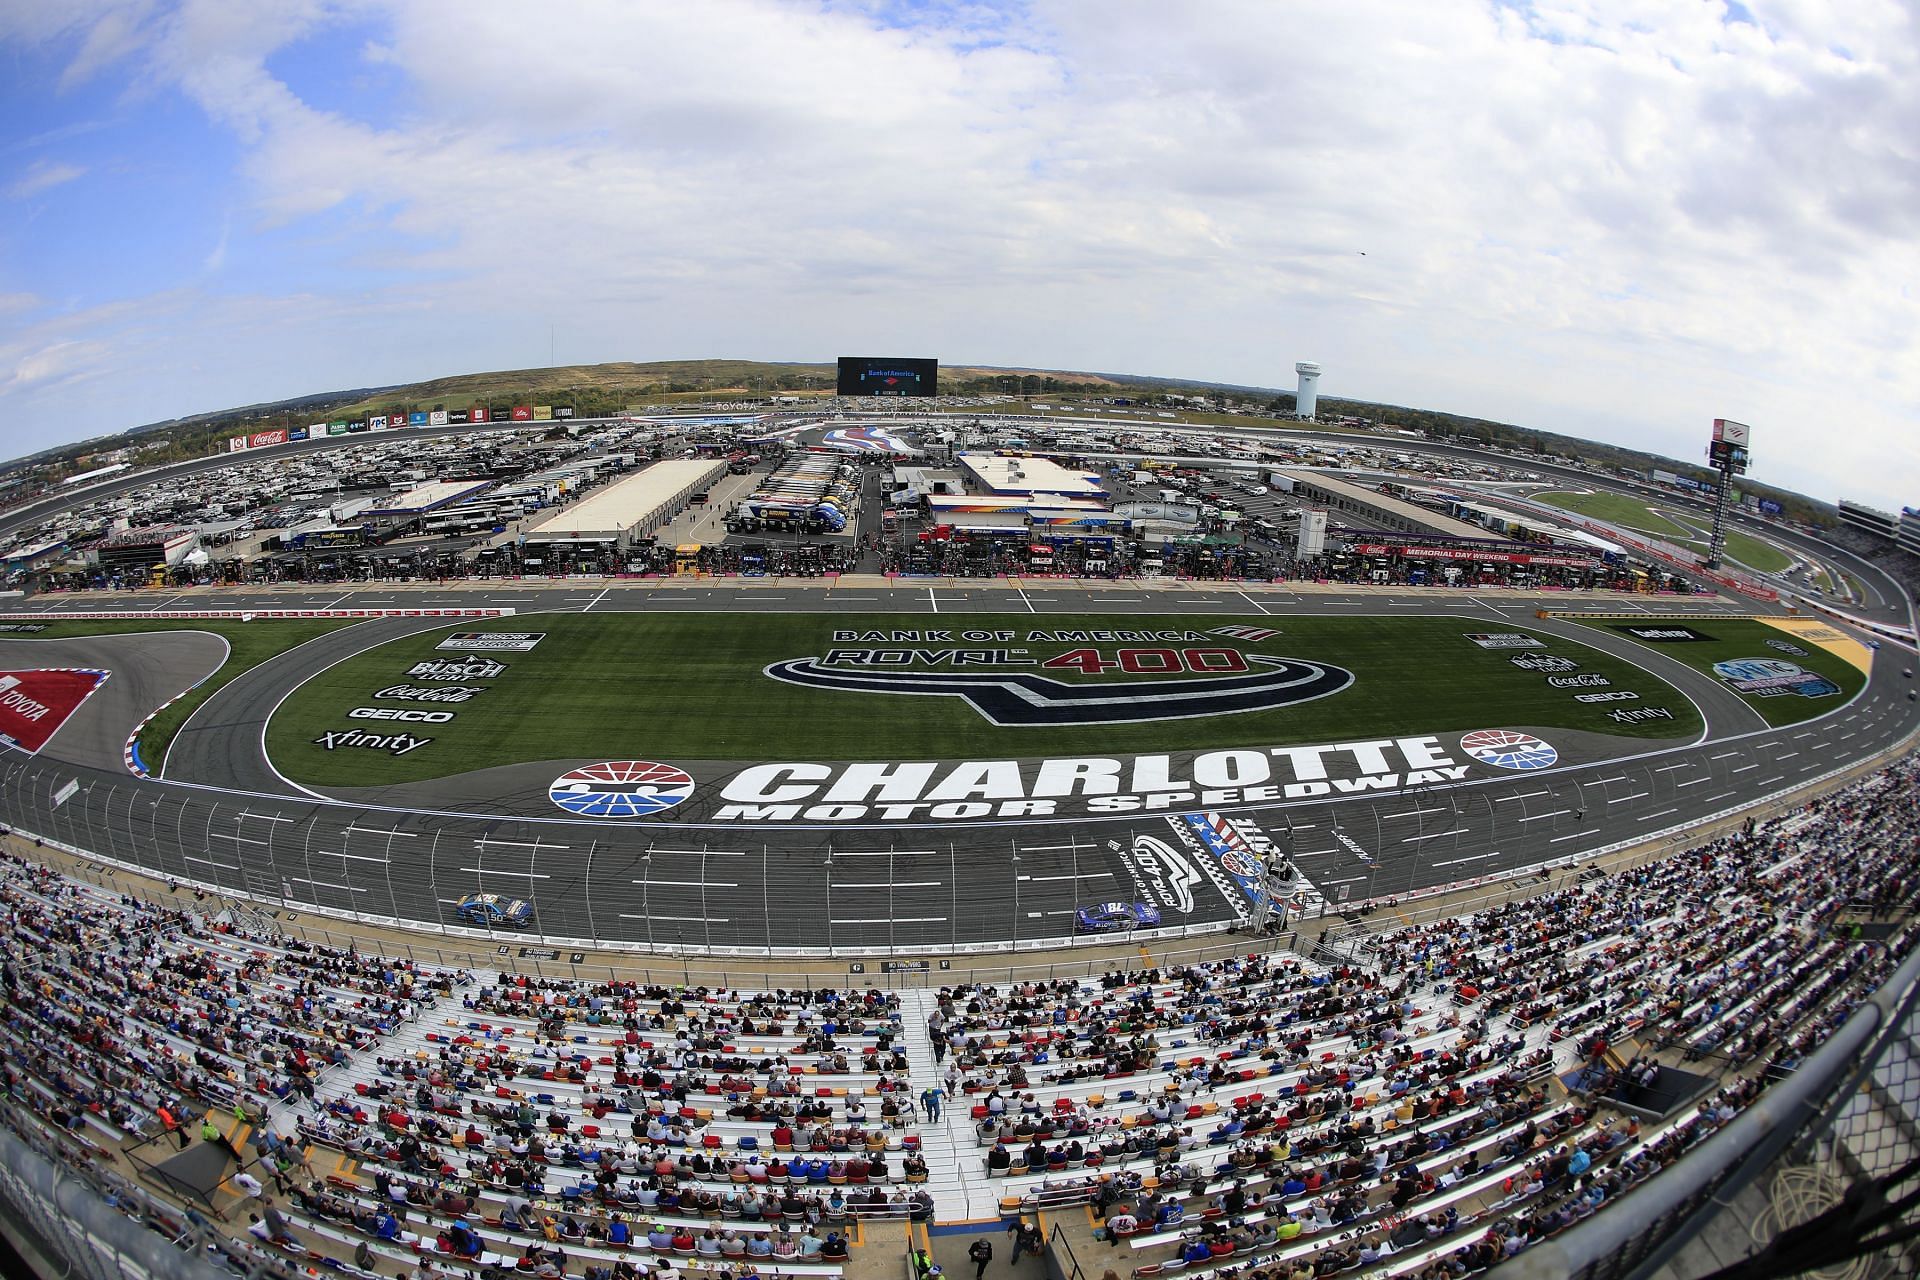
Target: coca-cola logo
1585	680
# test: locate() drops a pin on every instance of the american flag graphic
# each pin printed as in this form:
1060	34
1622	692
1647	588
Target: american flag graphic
1245	633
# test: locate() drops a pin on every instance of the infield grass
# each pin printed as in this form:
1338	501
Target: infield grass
1735	638
1616	508
691	687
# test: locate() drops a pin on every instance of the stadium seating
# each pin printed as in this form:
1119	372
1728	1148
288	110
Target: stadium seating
1435	1103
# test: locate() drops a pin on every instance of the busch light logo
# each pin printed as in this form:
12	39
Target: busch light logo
1542	662
620	789
472	667
1505	749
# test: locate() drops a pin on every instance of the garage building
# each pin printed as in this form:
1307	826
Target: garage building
626	512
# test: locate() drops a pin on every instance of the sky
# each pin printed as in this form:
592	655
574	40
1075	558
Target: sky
1618	219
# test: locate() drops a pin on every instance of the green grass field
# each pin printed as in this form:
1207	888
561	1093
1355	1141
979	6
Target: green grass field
1735	638
1616	508
692	687
1743	549
250	644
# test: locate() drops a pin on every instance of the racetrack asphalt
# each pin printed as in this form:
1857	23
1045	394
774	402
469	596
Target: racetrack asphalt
222	818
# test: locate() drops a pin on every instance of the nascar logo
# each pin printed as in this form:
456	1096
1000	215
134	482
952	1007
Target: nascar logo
621	789
1505	749
1027	699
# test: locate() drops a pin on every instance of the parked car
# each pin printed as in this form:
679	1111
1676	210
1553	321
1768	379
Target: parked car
1115	917
493	911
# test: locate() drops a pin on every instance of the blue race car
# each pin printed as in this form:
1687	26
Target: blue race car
1115	917
493	911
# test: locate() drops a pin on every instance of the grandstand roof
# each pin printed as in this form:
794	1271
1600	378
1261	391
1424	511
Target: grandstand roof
627	504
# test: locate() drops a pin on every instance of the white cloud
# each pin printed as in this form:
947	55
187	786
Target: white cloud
43	176
1620	218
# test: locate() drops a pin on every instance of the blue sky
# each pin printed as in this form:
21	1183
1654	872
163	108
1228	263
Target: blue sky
1615	220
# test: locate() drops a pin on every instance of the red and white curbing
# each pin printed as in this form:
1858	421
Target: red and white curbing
247	615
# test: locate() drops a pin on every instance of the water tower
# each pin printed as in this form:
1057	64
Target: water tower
1307	398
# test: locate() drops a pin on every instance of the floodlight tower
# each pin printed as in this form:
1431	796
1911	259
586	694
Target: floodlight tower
1306	399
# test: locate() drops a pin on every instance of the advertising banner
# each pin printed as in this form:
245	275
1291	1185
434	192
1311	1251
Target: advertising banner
34	704
479	413
296	433
1480	557
1725	429
418	418
543	413
437	418
492	641
456	415
378	421
236	444
563	411
262	439
336	428
523	413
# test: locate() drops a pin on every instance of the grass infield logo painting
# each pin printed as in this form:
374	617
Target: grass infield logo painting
1505	749
621	789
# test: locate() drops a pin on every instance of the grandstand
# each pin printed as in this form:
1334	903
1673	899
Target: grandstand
1426	1101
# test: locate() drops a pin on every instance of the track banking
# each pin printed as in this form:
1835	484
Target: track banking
1076	786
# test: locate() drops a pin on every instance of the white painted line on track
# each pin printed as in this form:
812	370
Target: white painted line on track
1663	813
1535	817
380	831
325	884
1084	875
889	884
1454	862
498	871
1638	795
893	920
690	884
1570	836
678	919
1434	835
211	862
357	857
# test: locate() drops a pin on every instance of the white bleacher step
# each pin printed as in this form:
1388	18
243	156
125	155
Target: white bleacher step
957	1194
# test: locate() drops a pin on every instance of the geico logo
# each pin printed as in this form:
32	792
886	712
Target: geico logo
412	715
1618	695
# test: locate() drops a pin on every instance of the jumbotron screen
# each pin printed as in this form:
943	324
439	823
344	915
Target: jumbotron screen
888	376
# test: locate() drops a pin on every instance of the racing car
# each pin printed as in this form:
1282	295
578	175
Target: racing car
490	910
1115	917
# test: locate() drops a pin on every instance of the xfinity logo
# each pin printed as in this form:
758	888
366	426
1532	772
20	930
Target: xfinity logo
397	743
1024	698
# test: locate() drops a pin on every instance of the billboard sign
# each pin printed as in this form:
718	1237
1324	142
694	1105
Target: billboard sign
264	439
523	413
563	411
437	418
887	376
357	426
479	413
296	433
1770	508
1478	557
1726	453
377	421
418	418
543	413
456	415
336	428
1725	429
236	444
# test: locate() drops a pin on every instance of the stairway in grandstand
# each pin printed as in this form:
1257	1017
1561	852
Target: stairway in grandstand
957	1195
